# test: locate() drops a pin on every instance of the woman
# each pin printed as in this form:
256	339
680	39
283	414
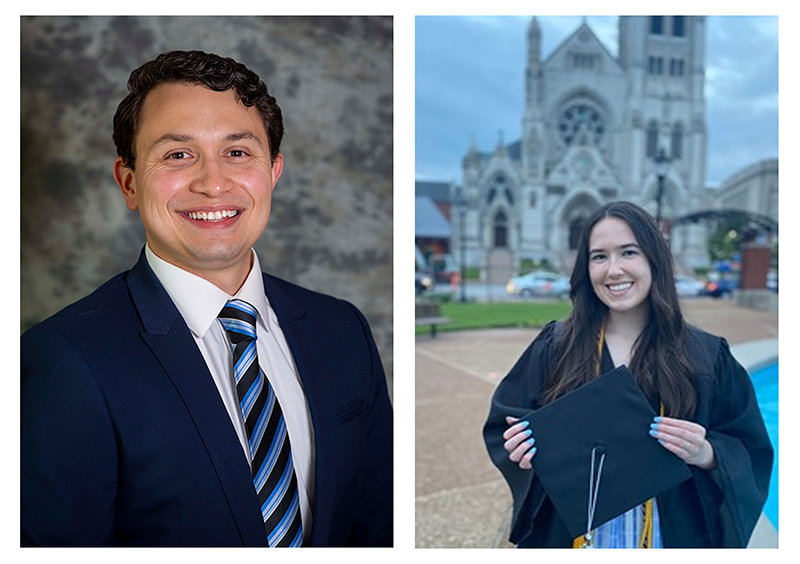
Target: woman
626	312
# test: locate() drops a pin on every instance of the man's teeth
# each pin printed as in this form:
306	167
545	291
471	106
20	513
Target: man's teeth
212	216
620	287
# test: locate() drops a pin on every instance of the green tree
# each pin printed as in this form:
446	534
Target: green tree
726	239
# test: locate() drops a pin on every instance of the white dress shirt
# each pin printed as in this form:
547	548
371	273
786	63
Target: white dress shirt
200	302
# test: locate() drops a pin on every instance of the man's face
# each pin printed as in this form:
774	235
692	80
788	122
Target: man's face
203	180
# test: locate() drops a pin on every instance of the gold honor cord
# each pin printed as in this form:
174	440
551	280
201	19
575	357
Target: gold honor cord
646	540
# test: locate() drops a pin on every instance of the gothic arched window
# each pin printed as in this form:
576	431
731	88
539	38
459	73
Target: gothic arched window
500	187
500	229
575	231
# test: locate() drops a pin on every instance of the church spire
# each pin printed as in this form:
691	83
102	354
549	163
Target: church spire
500	150
534	70
473	157
534	43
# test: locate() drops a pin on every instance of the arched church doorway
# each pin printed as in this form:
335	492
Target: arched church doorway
499	260
500	230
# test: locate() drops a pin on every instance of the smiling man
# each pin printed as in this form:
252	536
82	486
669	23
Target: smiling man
202	181
195	400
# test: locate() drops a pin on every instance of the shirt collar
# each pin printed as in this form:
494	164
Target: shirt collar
199	301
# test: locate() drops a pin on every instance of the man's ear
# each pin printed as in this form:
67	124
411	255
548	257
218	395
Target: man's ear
277	169
126	179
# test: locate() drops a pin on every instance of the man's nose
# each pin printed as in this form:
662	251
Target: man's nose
211	178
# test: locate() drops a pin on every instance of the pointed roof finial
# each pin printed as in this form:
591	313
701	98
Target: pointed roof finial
501	146
534	42
473	144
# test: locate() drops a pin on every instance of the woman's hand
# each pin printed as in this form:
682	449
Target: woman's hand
519	443
686	440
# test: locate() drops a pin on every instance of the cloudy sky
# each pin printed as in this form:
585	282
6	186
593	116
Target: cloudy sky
470	86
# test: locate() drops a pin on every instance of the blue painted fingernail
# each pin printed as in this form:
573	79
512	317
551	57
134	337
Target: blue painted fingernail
527	432
525	424
530	442
654	425
657	419
653	432
532	451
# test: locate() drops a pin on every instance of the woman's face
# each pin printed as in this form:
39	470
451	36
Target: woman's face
618	268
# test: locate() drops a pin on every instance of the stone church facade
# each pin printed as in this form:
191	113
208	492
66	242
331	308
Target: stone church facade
592	129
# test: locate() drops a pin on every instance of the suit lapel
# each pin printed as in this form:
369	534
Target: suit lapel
170	340
300	335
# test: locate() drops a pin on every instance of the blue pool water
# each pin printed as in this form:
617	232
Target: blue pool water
765	382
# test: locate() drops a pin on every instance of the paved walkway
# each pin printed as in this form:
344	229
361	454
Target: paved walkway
461	501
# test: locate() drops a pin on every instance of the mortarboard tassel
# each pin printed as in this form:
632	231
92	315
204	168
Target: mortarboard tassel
647	529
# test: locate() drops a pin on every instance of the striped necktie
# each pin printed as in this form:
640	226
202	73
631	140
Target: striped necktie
273	472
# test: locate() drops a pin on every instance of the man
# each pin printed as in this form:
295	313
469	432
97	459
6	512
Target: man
194	400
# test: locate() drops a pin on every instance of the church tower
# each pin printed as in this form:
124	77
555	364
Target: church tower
533	121
663	57
532	197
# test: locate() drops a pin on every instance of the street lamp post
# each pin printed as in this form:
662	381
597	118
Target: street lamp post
661	162
461	208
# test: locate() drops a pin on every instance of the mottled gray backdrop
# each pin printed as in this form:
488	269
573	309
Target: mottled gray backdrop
331	223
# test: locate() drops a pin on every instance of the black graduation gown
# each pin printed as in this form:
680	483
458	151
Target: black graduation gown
717	508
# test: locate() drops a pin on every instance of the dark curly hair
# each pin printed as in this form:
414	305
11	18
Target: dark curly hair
193	67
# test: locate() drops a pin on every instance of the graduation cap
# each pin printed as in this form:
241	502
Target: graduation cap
595	457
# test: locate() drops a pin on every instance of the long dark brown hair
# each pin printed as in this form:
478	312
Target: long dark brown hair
659	362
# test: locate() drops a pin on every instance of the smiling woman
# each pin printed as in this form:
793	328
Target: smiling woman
695	402
618	268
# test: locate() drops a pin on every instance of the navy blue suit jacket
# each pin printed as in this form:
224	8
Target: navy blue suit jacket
125	439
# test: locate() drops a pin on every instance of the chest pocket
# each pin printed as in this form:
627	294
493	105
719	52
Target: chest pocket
350	410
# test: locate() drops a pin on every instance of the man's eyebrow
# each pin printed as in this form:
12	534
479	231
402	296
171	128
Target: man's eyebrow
171	138
244	135
182	138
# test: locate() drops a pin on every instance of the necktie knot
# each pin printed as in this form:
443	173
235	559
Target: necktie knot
239	319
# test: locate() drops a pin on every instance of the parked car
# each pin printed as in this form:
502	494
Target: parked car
539	283
772	281
720	287
688	286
